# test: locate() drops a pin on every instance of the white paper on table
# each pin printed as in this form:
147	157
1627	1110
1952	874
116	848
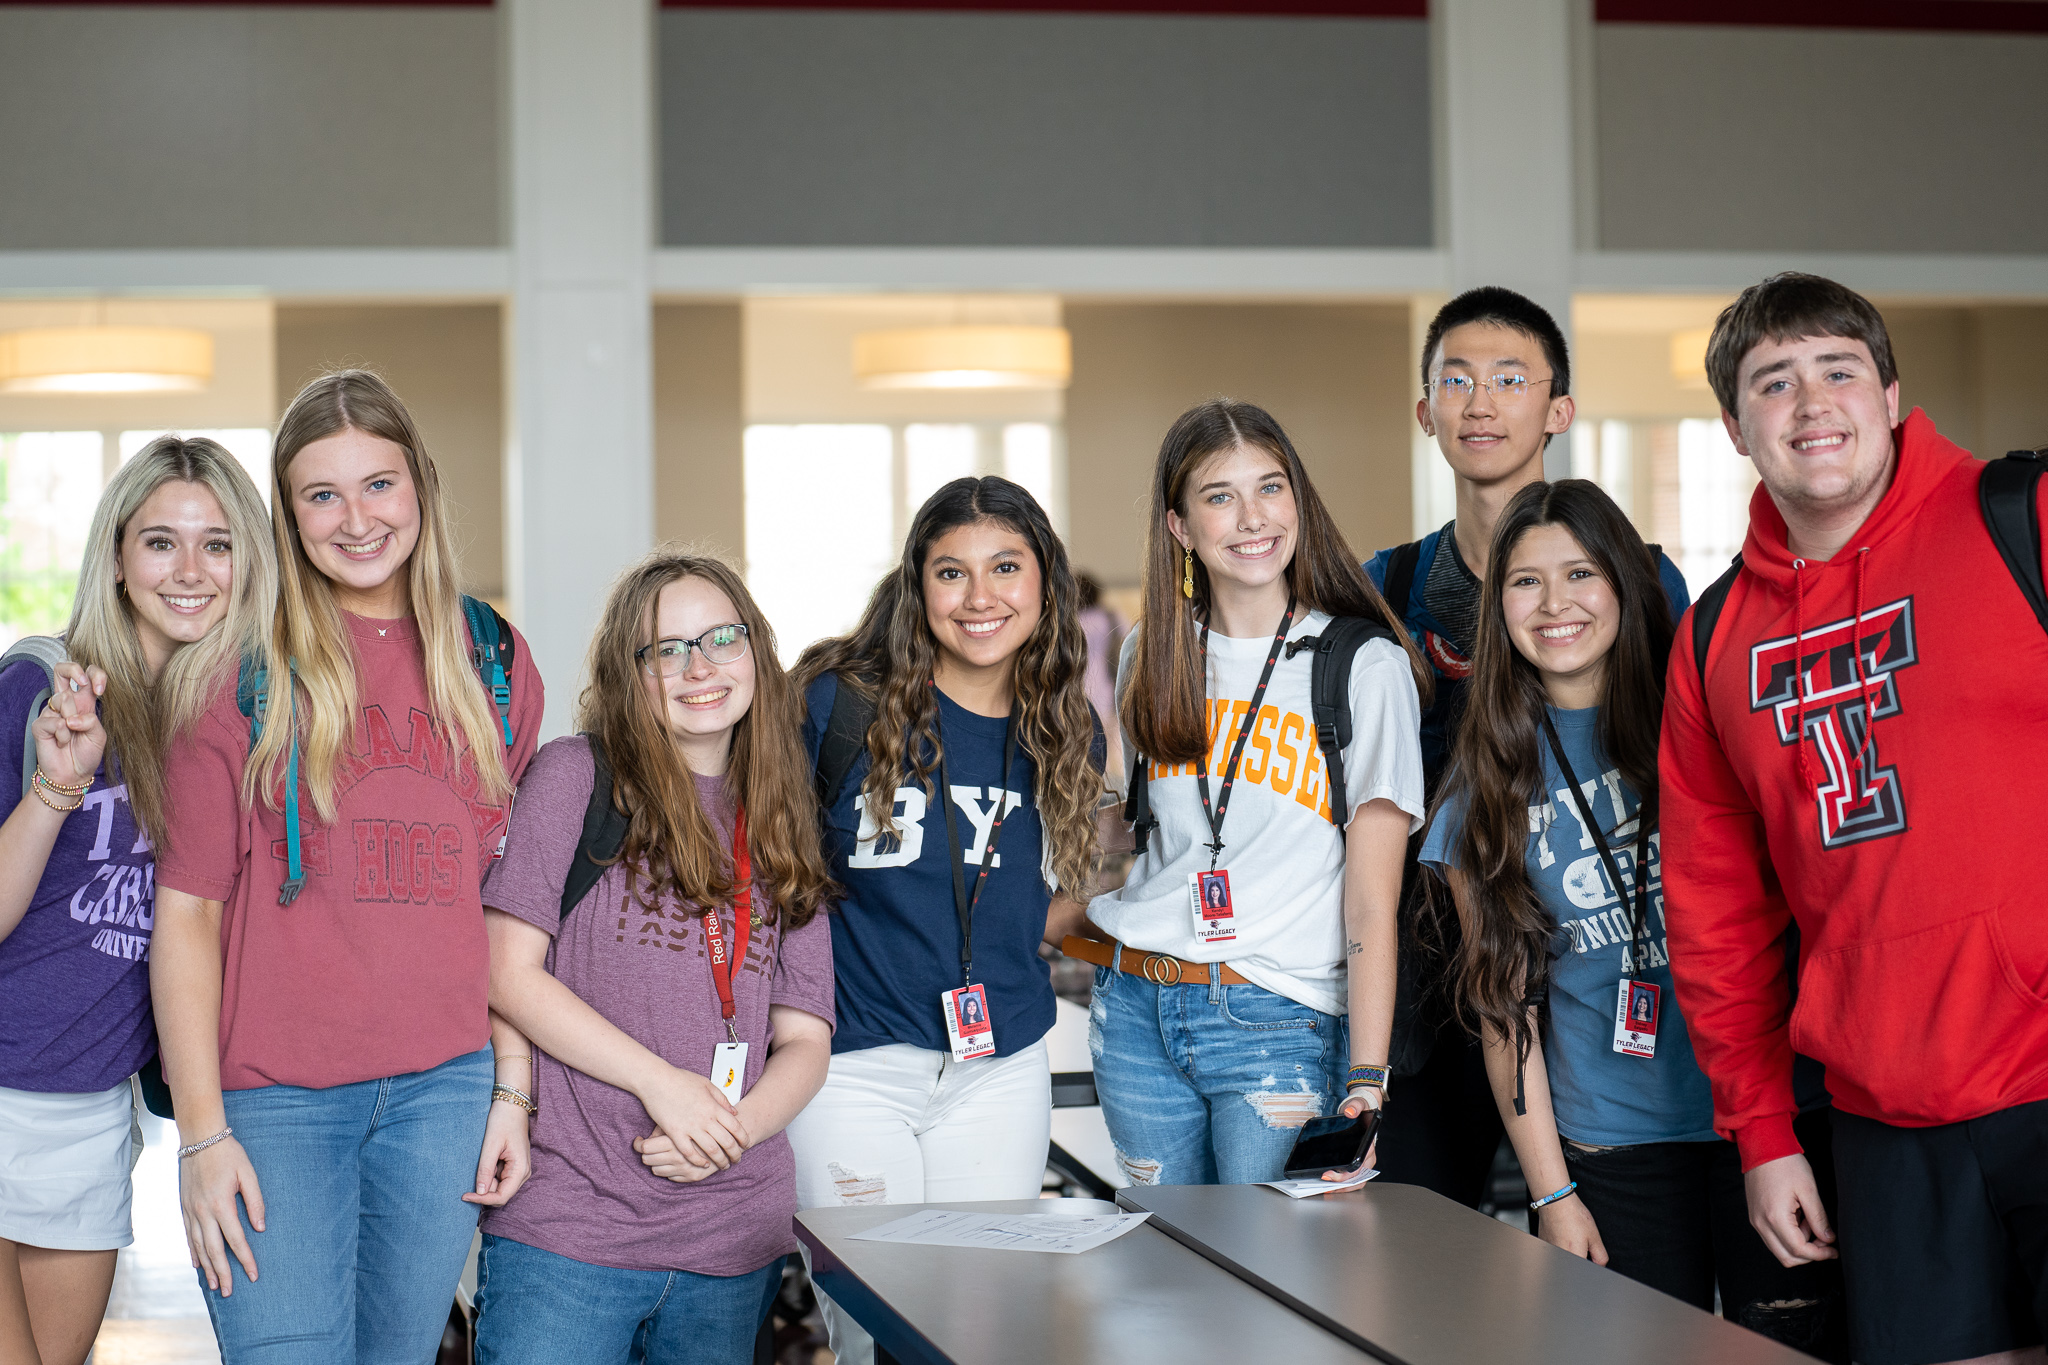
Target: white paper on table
1064	1232
1302	1189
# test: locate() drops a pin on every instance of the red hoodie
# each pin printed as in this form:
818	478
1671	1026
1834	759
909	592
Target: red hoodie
1917	877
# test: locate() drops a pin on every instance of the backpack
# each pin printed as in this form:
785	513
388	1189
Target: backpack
1329	690
2005	494
490	651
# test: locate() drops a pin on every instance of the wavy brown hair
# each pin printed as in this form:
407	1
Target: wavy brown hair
892	656
1501	973
670	841
1163	705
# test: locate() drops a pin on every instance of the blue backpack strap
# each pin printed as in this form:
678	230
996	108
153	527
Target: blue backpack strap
252	698
490	650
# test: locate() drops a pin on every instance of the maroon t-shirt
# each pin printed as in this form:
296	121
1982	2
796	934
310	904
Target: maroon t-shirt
380	967
647	970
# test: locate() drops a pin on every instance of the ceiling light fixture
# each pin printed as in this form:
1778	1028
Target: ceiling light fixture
106	360
980	357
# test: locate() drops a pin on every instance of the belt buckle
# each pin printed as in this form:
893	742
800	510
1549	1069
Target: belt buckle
1156	967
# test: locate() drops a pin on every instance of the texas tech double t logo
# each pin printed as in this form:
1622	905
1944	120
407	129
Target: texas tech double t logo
1858	800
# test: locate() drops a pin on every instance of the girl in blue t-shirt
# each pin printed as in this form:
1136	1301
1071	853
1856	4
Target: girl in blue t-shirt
963	833
1546	835
175	581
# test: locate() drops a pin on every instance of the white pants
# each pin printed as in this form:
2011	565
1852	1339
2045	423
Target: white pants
903	1125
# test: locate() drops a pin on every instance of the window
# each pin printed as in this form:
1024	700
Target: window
828	506
1683	484
49	485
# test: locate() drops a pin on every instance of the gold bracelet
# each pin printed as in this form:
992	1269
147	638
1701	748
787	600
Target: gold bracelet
36	785
63	788
513	1057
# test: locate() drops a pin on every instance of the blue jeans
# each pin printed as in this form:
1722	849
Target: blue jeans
1208	1084
536	1308
367	1232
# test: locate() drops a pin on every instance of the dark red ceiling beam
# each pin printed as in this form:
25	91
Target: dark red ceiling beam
1354	9
1955	16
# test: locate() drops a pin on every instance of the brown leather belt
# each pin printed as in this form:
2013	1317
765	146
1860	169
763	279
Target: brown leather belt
1158	968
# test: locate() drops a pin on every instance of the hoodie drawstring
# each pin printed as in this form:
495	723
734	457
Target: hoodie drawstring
1807	775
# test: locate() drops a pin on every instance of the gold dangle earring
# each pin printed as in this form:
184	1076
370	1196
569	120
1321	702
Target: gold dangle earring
1187	574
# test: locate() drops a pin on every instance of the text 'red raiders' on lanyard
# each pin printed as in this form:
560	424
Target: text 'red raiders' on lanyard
964	901
1221	807
1638	1003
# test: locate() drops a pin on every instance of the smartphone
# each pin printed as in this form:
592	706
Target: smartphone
1332	1144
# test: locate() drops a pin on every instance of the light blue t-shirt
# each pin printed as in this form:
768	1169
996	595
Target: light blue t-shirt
1601	1097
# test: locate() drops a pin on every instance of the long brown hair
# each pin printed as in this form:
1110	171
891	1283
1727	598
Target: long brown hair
670	841
1163	705
309	635
1502	970
892	656
143	715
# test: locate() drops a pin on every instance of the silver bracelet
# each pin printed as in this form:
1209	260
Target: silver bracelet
196	1147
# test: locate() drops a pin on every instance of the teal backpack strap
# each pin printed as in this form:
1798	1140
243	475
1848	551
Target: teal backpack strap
490	650
252	697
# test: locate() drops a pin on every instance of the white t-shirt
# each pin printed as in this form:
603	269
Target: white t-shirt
1284	856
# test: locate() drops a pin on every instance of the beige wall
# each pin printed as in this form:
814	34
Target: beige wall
699	469
1977	372
444	361
1336	377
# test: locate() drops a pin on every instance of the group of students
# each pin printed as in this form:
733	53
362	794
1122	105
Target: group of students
754	939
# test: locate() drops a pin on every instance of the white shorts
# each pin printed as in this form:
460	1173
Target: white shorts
64	1168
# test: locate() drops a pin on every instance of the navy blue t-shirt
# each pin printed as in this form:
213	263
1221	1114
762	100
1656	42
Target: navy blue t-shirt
75	972
896	935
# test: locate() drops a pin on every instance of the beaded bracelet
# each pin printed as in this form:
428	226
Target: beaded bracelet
198	1147
42	785
1554	1195
517	1098
1366	1074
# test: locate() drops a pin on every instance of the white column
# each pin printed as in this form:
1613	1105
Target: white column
1505	81
579	462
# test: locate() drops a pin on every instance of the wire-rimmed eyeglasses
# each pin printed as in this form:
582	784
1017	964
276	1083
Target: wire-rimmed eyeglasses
725	644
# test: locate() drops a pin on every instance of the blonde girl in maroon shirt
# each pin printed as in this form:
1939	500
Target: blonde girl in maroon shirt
320	971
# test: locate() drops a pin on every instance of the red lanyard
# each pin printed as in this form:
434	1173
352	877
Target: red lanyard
722	965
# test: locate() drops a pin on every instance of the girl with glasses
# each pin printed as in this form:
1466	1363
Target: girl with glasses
680	1008
319	967
968	806
177	580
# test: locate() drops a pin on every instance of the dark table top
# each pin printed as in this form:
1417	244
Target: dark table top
1416	1279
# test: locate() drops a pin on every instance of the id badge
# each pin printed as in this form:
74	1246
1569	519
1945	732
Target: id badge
1635	1018
729	1069
1215	915
968	1030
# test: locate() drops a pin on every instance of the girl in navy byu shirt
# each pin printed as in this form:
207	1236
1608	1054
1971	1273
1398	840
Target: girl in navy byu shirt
1546	834
963	834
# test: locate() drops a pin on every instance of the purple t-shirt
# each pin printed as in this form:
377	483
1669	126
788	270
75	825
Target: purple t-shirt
75	972
647	971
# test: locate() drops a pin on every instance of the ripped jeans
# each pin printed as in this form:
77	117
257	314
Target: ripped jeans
1207	1084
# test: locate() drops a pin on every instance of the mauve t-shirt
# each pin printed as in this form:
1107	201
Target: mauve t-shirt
74	974
646	969
380	967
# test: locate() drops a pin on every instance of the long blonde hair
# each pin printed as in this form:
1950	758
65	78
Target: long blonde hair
309	636
142	715
669	840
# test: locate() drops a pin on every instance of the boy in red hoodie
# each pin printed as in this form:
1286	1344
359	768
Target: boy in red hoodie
1868	757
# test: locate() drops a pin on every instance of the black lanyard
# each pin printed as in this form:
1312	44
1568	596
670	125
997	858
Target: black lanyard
1244	732
1600	842
964	903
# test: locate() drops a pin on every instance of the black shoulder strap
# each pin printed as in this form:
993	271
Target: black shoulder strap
1401	576
1706	614
2006	492
1138	806
604	833
1329	691
846	735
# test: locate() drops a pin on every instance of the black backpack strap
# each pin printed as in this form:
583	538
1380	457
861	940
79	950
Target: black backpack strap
1329	692
1401	564
2005	490
1138	806
604	832
1706	614
845	738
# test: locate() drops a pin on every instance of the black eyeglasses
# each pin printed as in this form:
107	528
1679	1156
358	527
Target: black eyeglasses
725	644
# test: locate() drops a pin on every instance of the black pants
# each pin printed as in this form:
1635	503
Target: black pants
1442	1127
1673	1216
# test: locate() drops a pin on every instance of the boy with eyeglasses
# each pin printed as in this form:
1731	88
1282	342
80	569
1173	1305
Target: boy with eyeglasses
1496	380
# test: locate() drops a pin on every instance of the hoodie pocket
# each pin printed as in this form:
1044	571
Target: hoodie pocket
1933	1026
